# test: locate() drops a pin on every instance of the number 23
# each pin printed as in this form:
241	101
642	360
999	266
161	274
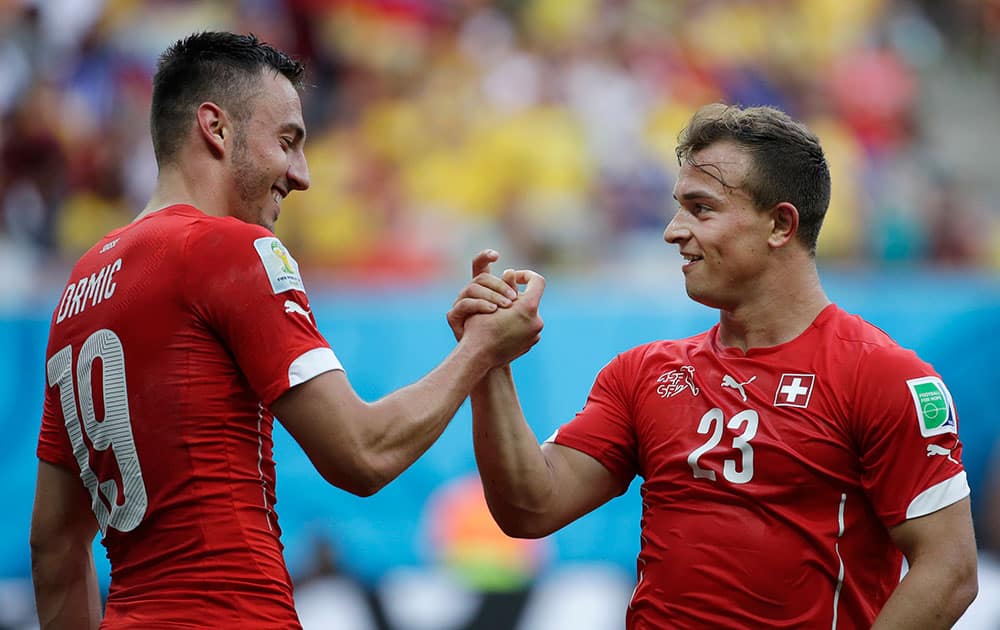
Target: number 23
712	423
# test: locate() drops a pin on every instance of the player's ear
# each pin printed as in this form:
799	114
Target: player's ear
784	224
214	127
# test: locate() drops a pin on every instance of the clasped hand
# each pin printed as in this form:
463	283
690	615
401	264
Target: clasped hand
491	309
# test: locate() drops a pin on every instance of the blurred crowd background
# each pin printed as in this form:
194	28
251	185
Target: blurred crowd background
544	129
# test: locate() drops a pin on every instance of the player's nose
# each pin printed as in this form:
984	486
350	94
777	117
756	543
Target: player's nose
677	230
298	172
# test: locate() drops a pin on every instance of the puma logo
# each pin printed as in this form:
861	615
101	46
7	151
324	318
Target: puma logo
934	449
729	381
295	307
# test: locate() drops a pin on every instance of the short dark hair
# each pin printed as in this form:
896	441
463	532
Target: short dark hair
787	161
210	66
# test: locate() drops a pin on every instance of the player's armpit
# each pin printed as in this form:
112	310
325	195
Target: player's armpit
580	484
62	562
941	582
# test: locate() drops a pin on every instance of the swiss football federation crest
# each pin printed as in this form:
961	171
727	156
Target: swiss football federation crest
794	390
675	381
935	408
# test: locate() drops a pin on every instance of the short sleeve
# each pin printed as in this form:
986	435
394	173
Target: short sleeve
604	428
246	286
911	456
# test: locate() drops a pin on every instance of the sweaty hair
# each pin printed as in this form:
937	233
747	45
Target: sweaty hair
212	66
786	159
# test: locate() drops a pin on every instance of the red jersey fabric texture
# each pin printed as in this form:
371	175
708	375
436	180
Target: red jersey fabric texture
173	336
770	477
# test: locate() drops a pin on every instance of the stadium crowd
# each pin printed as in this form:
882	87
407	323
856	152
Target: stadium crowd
542	126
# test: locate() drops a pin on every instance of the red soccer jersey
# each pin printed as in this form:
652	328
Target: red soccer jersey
771	477
171	339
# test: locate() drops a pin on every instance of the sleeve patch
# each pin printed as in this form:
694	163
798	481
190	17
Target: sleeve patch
934	406
281	268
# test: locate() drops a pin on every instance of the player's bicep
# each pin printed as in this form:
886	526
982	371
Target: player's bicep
323	414
582	484
945	535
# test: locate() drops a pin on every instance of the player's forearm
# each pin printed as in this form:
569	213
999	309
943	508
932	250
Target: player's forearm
407	422
515	474
66	590
931	595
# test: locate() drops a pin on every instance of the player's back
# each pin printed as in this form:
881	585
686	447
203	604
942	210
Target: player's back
146	398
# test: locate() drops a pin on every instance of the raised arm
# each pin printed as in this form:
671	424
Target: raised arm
532	490
361	446
62	561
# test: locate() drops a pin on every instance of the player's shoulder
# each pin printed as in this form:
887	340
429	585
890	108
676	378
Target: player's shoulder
229	238
231	248
875	348
853	330
207	230
664	351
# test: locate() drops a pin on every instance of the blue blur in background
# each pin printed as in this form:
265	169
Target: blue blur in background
389	339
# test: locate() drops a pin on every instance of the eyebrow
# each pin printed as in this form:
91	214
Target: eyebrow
697	194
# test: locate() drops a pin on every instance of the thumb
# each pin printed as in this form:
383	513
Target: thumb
481	263
534	286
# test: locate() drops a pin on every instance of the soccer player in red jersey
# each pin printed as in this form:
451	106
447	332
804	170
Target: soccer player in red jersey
791	455
177	341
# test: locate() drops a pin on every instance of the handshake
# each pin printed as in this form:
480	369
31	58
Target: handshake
492	317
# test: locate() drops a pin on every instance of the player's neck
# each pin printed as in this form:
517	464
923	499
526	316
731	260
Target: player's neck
774	315
174	186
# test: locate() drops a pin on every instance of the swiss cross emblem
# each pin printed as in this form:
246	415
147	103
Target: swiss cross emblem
794	390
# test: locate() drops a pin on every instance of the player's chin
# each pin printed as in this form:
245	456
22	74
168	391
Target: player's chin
703	297
268	219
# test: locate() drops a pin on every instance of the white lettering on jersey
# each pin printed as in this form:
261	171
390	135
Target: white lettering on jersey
282	270
933	405
675	381
88	291
109	245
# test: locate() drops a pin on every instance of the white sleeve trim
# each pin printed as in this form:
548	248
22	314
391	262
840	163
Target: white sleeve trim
939	496
311	364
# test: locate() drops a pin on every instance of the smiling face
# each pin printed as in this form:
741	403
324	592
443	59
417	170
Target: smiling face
268	161
722	236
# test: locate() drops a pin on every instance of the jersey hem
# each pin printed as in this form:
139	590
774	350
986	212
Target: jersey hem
311	364
592	451
939	496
